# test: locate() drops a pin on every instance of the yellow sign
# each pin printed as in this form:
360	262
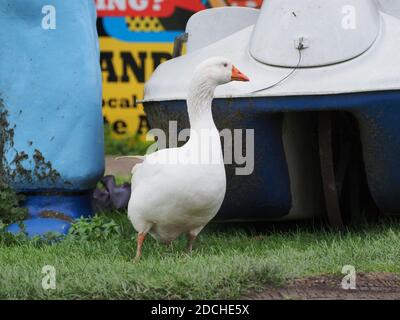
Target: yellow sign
126	66
135	37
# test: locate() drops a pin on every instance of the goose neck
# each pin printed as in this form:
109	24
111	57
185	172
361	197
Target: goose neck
199	103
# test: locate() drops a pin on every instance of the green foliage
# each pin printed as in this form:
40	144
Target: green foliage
94	229
9	205
97	228
127	146
9	239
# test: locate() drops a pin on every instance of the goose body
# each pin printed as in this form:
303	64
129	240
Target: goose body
176	198
179	190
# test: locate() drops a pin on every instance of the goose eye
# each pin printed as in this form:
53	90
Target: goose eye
225	64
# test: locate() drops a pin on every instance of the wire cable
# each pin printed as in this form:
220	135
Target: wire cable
300	48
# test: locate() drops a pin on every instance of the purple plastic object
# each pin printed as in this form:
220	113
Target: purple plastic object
112	196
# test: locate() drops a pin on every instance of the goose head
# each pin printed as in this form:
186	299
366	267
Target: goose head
208	75
217	71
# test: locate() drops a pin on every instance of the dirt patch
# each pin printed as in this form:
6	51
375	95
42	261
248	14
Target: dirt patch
121	167
371	286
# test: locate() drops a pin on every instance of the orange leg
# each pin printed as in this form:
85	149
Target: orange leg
140	240
190	237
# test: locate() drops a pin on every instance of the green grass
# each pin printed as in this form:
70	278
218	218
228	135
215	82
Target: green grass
119	180
126	146
227	262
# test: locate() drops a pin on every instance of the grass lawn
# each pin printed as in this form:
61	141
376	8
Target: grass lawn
227	262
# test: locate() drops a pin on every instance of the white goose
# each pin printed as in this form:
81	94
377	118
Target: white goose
179	190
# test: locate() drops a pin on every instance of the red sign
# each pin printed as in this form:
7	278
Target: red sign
152	8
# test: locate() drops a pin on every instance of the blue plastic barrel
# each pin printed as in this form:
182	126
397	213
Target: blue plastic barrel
50	87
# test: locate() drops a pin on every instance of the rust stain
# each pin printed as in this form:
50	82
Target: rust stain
42	170
56	215
6	140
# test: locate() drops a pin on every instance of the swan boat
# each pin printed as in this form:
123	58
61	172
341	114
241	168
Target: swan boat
323	102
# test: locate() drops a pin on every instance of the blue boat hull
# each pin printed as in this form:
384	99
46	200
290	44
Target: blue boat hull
286	174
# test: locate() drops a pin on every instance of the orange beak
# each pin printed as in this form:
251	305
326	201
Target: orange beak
238	76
